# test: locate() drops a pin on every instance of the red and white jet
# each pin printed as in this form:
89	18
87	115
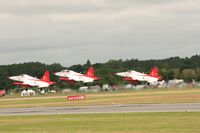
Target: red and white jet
73	77
29	81
135	77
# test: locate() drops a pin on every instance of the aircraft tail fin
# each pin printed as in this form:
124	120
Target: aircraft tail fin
90	72
154	72
46	76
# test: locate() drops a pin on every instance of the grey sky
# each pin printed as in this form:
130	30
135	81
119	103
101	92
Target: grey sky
70	32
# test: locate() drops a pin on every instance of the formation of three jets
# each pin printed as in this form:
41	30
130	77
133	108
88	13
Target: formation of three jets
73	77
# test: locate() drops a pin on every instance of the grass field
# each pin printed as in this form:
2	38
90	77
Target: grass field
185	122
187	95
163	122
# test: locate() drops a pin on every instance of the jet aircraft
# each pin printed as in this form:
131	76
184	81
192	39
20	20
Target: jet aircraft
73	77
135	77
29	81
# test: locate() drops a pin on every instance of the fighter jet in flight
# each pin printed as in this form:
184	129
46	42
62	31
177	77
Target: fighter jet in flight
29	81
73	77
135	77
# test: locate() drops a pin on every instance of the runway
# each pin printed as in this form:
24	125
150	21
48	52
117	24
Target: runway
183	107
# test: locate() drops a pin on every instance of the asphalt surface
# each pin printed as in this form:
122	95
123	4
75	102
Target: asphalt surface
183	107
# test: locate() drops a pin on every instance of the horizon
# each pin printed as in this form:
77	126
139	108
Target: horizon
98	62
71	32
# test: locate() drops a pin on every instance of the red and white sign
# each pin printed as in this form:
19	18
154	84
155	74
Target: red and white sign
76	97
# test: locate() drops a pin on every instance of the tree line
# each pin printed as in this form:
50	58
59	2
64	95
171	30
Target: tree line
175	67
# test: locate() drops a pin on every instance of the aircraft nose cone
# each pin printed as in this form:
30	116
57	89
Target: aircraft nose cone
57	73
117	74
120	74
13	78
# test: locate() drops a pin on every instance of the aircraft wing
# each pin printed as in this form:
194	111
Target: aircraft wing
81	78
30	82
138	77
75	78
37	83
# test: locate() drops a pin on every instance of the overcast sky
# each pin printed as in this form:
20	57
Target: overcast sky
71	31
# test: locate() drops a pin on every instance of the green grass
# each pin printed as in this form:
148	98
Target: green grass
185	122
187	95
172	122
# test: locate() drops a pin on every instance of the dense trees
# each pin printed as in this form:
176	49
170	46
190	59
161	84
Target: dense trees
170	68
